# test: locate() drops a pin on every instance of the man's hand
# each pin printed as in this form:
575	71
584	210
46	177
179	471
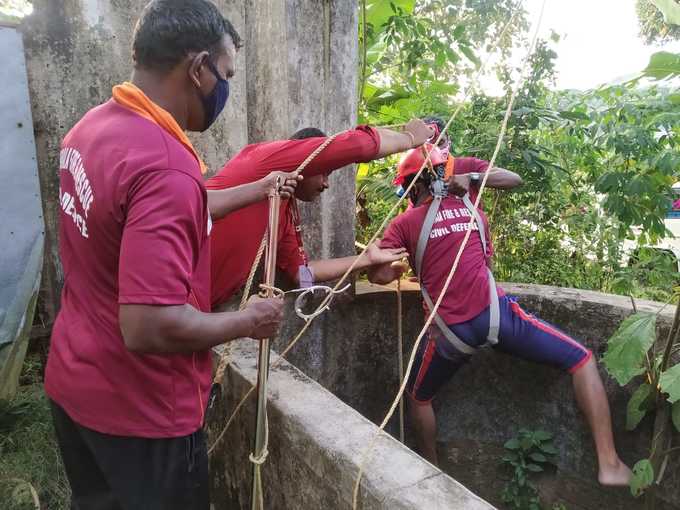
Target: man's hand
419	131
376	255
385	273
459	184
288	183
267	314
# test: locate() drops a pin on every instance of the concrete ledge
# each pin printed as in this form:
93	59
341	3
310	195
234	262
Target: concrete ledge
316	443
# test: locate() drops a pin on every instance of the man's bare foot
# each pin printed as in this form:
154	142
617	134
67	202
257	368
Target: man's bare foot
614	475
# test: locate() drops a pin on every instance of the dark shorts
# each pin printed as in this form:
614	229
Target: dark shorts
520	334
130	473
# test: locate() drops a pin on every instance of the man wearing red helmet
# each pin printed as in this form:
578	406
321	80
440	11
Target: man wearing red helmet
474	311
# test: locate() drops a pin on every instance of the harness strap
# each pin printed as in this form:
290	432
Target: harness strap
494	308
494	311
423	238
478	219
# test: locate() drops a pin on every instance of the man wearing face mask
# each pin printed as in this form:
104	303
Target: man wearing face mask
232	255
129	368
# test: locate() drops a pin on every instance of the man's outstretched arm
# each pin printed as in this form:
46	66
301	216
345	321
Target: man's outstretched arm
499	178
331	269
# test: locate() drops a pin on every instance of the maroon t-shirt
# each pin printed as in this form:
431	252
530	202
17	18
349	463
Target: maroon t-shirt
237	236
468	293
133	229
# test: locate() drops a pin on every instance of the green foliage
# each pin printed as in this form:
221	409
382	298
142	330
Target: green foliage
670	10
594	166
627	348
638	405
529	452
663	65
669	382
653	28
631	352
413	53
675	415
643	477
28	449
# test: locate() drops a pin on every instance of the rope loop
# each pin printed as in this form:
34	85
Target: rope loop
329	292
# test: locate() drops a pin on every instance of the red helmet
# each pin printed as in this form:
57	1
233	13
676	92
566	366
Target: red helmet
413	161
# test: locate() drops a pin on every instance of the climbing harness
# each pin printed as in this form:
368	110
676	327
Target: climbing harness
438	189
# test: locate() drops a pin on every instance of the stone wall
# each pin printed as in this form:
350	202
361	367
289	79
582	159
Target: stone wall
316	443
297	69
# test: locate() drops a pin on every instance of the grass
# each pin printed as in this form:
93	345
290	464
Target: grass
30	465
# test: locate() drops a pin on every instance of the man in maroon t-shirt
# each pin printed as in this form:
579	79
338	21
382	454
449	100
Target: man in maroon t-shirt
129	368
237	236
474	311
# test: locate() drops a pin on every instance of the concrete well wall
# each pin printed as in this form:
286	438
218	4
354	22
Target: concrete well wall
352	351
316	444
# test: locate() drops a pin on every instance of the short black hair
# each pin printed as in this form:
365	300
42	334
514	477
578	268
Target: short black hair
433	119
308	132
168	30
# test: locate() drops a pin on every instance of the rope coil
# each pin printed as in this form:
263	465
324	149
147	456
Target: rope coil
304	292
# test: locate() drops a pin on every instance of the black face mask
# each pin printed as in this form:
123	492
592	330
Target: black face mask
213	103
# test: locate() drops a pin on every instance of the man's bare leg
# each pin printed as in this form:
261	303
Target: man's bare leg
425	427
592	400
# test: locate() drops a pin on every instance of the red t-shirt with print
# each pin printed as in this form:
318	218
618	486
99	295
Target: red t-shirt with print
133	230
468	294
236	237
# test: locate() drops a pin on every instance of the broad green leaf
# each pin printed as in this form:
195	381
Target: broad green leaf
467	51
542	435
626	349
670	383
512	444
538	457
643	477
379	11
635	411
675	415
535	468
375	52
549	449
662	65
458	31
670	10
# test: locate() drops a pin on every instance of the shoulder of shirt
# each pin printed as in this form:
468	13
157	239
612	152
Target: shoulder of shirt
156	143
243	168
